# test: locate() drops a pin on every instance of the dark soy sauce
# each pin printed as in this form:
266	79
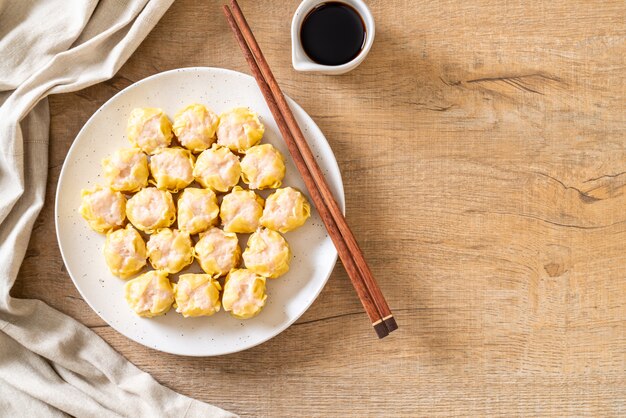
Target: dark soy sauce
333	33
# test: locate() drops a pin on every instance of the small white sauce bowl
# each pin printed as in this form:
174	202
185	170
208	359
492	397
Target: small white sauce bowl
299	58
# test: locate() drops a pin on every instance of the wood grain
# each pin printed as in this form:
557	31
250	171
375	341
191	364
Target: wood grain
483	151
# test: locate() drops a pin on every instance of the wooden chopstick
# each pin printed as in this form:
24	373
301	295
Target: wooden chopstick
315	171
368	291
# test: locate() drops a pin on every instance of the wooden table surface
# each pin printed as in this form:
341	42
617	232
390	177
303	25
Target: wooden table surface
483	152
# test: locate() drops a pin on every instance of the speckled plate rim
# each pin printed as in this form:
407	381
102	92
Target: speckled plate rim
315	132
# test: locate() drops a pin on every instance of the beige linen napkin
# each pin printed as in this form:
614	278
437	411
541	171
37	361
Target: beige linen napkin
51	365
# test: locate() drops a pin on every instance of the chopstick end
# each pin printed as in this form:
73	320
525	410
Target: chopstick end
381	329
390	323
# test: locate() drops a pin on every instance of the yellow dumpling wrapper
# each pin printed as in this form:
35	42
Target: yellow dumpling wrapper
263	167
239	129
125	252
150	294
149	129
217	168
104	209
197	210
197	295
172	168
170	250
244	293
285	210
267	253
126	170
151	209
241	210
195	127
218	252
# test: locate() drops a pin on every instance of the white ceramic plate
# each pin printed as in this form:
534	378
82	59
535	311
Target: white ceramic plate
288	296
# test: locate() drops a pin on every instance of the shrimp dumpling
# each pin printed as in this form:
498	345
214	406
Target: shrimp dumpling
170	250
244	293
263	167
239	129
241	210
195	127
285	210
102	208
149	129
151	209
172	168
125	252
126	170
217	168
197	210
267	253
217	252
197	295
150	294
